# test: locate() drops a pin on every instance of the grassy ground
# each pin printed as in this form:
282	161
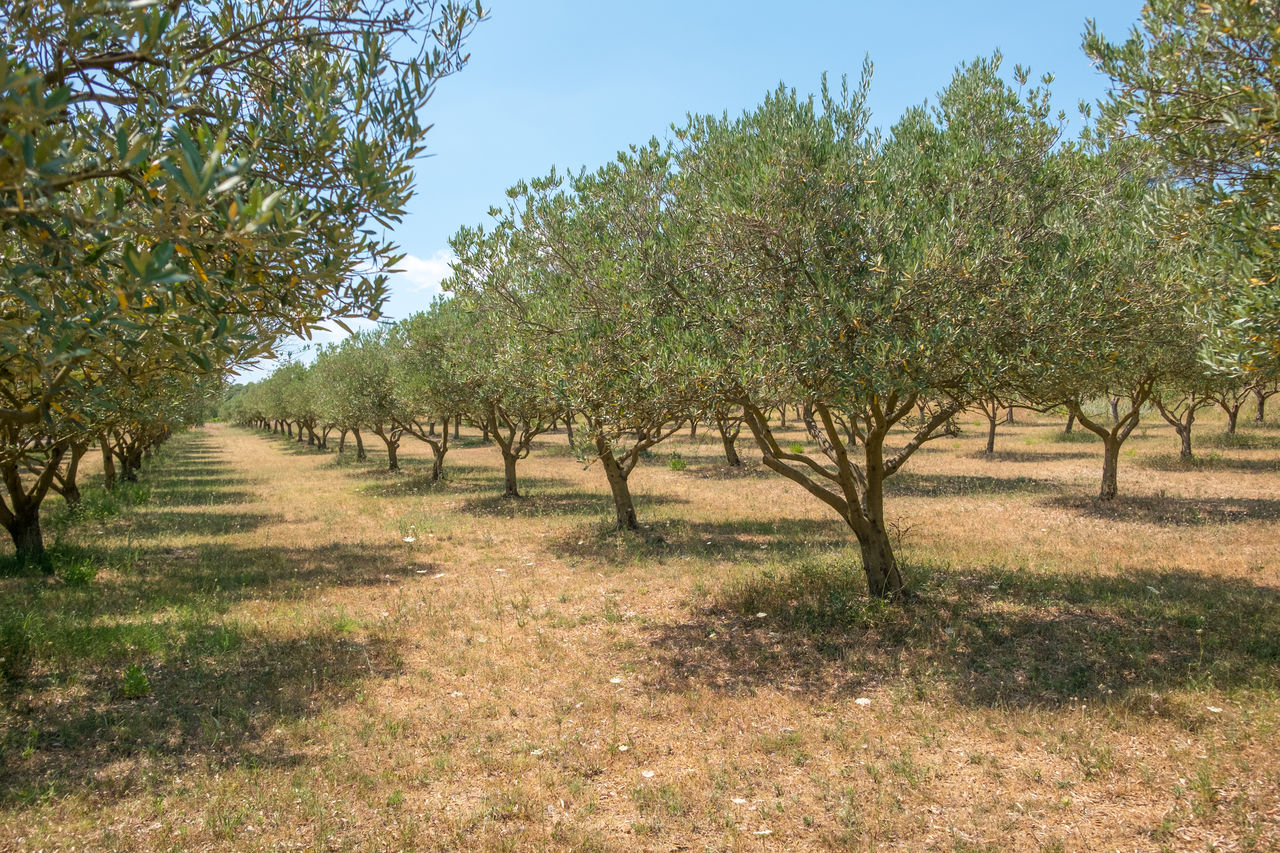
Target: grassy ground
265	647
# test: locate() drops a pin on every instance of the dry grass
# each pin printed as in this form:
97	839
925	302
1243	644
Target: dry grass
1070	675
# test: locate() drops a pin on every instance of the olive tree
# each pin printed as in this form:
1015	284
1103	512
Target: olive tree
867	278
594	258
1199	80
200	175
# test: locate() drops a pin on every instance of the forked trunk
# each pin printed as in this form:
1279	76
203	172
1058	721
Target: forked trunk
69	487
730	451
1233	412
1184	435
622	505
393	444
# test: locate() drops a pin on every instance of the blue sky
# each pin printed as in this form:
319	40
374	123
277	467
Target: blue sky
570	82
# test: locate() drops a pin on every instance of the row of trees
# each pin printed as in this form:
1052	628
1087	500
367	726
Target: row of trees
181	185
881	281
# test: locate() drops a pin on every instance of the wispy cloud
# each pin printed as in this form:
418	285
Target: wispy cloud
423	274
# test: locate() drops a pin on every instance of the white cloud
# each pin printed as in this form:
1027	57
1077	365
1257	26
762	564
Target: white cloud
424	273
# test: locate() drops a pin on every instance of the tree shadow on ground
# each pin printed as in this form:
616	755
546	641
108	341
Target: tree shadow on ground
1170	511
154	520
216	693
744	541
1029	456
986	637
546	500
208	688
1173	463
910	484
464	479
1243	440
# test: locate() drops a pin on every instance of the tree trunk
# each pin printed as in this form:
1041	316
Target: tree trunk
1110	464
568	426
623	507
730	451
392	443
108	465
693	428
1008	415
879	563
70	489
509	473
342	441
991	429
360	454
1184	434
1115	409
28	540
1233	412
437	467
1071	423
457	422
1262	406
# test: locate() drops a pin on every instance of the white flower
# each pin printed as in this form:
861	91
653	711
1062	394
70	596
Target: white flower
863	701
648	774
622	747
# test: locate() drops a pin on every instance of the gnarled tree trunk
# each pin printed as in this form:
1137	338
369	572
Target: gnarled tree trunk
624	507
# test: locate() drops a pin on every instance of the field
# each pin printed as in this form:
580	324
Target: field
265	647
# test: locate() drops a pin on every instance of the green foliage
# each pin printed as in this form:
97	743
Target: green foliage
676	462
78	573
134	683
183	183
1199	80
